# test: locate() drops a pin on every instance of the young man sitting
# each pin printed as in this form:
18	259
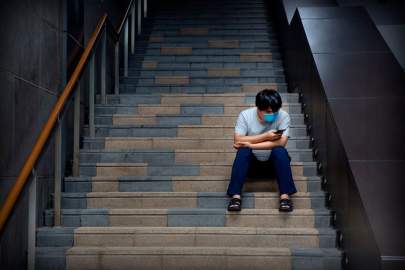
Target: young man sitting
261	134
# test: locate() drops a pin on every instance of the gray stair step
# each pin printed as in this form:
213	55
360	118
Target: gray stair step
180	184
178	156
190	98
191	169
51	258
204	81
214	258
164	200
190	89
206	119
222	108
205	237
197	131
192	217
189	67
174	143
244	73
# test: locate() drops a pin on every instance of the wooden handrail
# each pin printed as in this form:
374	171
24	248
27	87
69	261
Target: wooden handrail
29	164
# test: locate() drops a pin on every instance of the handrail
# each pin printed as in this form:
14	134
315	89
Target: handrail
29	164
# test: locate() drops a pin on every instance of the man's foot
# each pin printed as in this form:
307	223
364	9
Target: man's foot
235	204
286	204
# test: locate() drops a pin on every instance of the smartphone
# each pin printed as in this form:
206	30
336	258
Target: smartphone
279	131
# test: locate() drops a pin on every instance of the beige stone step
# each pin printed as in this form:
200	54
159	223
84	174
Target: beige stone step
173	142
152	119
205	168
197	237
219	155
229	109
178	258
163	200
269	218
197	184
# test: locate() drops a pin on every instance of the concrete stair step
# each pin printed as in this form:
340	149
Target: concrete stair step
176	67
180	184
202	109
192	217
180	80
178	156
125	119
204	237
174	143
176	98
207	73
190	131
192	169
214	258
51	258
210	58
164	200
192	89
146	41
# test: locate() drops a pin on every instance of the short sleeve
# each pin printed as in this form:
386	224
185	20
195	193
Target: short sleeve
241	127
285	124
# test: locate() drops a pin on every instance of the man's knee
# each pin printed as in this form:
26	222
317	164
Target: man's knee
279	151
244	152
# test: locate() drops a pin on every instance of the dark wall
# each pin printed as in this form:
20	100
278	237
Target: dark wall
352	86
31	77
41	42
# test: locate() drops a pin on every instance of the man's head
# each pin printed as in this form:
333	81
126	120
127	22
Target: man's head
268	101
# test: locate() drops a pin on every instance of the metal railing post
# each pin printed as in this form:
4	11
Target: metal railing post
126	49
76	132
32	221
139	16
117	68
58	173
133	15
103	66
92	129
145	8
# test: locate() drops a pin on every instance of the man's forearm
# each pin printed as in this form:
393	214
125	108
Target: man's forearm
268	145
252	139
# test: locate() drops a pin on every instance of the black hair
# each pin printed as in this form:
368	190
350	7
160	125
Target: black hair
268	98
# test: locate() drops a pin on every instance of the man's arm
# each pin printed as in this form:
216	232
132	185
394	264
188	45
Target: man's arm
266	136
266	145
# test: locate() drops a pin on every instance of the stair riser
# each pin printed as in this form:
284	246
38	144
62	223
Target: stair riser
172	157
190	220
190	99
177	170
173	143
175	67
204	73
204	240
175	262
183	202
153	89
190	81
188	132
176	120
182	186
173	109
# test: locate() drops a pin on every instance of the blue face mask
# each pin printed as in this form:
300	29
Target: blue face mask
270	117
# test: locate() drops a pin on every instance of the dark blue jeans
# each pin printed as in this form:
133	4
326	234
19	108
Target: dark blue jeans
278	164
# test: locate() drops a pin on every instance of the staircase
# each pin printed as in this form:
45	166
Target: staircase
151	190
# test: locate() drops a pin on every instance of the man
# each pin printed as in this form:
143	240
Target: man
261	134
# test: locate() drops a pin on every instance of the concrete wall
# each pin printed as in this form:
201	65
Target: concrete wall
33	60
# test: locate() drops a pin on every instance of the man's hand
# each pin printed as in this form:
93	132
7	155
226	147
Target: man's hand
272	136
241	145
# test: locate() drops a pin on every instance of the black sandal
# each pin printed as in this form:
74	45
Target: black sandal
285	205
235	204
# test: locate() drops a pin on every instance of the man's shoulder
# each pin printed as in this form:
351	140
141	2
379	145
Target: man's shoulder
249	112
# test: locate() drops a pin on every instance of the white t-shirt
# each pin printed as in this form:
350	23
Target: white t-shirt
248	124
